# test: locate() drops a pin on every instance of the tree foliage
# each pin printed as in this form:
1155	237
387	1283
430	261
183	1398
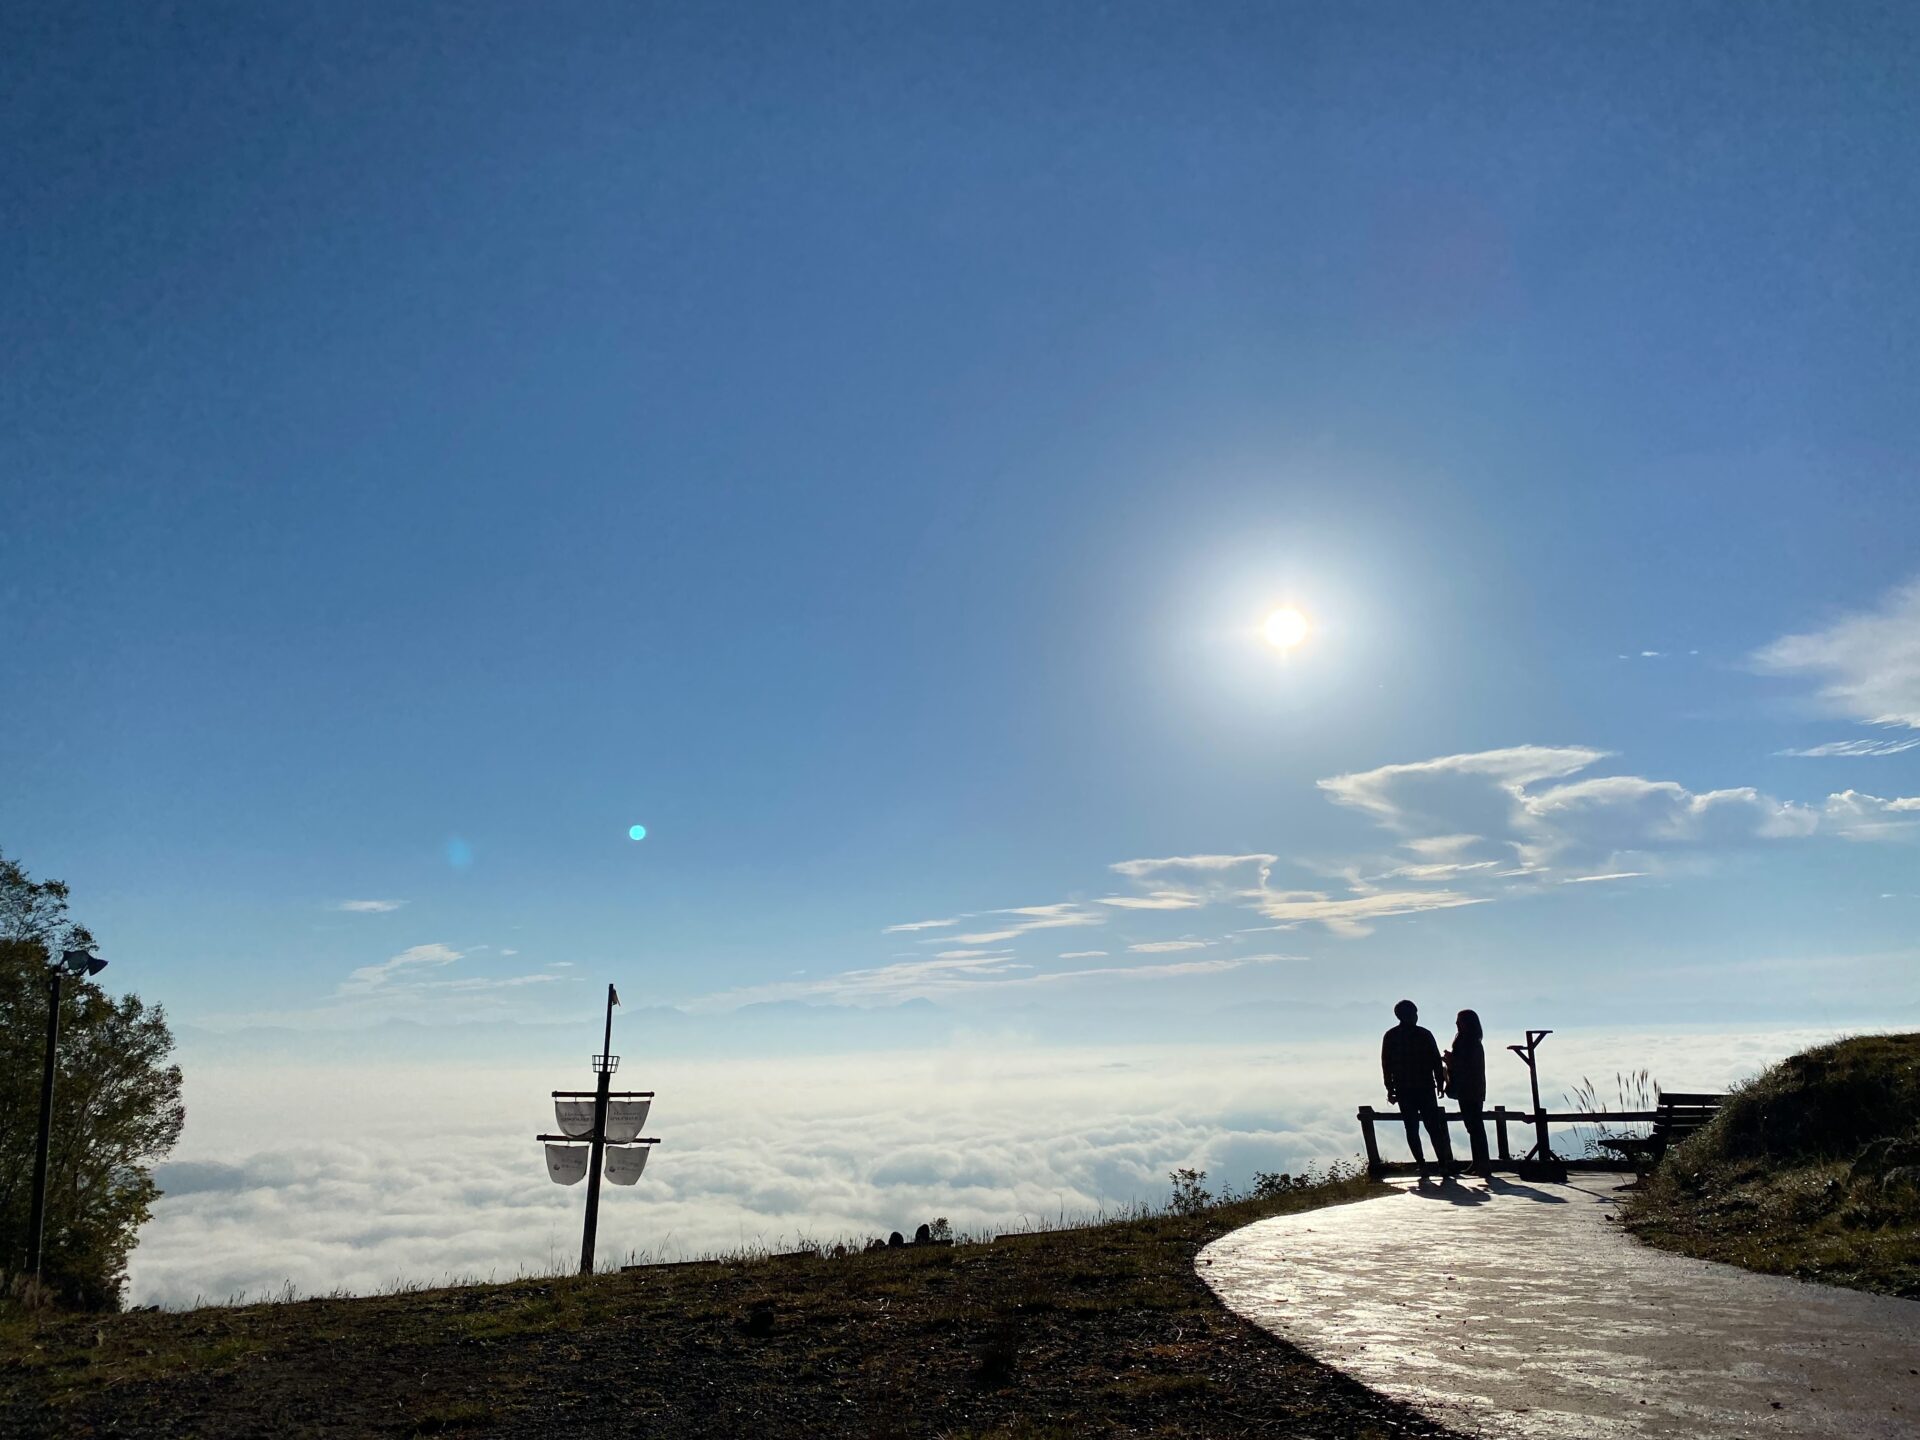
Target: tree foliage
116	1108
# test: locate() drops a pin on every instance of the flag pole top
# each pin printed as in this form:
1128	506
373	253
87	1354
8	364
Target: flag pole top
606	1044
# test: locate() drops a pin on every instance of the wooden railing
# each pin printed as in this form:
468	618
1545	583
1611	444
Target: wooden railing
1501	1119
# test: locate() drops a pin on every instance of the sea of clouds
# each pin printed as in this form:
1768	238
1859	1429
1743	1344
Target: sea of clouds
359	1176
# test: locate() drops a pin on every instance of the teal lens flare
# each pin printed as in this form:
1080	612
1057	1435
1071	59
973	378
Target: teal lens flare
638	832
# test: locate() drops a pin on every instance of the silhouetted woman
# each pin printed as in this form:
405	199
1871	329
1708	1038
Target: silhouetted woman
1467	1084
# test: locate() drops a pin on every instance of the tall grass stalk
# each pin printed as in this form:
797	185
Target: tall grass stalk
1633	1090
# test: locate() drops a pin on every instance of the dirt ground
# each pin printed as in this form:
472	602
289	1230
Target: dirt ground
1104	1331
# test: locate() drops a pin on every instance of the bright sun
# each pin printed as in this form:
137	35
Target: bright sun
1286	628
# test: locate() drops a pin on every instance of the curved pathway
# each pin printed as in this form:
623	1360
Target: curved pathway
1521	1310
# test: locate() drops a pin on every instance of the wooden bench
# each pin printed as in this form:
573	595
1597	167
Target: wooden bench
1679	1115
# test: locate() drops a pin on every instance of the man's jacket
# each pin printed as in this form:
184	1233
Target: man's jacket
1410	1062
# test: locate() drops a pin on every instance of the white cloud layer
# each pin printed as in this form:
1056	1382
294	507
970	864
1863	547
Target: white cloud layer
369	907
1867	664
421	1173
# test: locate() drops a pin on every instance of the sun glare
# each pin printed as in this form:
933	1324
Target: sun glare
1286	628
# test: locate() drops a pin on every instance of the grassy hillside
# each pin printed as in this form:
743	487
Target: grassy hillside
1812	1170
1099	1331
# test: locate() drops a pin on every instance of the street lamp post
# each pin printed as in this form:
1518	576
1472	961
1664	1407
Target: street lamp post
79	964
604	1064
611	1126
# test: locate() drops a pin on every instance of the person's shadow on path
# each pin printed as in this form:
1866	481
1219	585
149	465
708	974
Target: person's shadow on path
1451	1191
1603	1196
1497	1186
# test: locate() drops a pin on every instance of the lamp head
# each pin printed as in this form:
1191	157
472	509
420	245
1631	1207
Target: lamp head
78	963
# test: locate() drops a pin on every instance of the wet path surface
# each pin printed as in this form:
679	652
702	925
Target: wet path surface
1522	1311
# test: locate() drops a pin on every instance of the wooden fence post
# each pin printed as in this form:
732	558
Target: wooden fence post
1500	1128
1373	1145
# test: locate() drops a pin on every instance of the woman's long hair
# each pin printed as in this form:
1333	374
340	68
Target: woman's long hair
1469	1024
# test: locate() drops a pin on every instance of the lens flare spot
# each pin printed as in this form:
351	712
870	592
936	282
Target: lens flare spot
637	832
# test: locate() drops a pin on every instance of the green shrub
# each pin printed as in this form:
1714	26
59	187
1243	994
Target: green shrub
1827	1103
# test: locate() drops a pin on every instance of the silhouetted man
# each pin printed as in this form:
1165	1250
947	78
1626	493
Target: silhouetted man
1410	1064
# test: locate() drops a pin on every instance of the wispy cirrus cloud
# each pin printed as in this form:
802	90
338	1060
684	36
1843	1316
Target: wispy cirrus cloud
1353	915
1468	829
413	959
1188	882
868	986
1851	748
1472	828
1433	870
1187	865
1170	971
1486	825
921	925
959	978
402	976
368	907
1867	664
1028	918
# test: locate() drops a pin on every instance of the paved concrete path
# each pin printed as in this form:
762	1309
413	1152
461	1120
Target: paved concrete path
1523	1311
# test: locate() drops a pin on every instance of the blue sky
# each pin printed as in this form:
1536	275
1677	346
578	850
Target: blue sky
861	443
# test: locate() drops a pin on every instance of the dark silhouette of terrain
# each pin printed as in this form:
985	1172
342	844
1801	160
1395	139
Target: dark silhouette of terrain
1105	1330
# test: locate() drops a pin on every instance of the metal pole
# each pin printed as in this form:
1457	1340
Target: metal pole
1529	1053
36	1225
604	1064
1534	1037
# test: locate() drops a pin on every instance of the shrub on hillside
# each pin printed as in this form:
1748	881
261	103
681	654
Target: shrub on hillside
1813	1169
1827	1103
1190	1193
